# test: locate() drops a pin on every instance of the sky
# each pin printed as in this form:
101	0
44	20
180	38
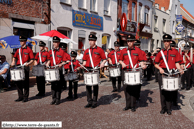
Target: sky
188	5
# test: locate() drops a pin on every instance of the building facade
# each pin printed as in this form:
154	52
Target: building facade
144	13
23	17
78	18
160	26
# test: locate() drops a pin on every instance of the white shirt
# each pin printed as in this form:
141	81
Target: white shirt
80	58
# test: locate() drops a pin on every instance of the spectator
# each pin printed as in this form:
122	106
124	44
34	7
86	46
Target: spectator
79	56
4	68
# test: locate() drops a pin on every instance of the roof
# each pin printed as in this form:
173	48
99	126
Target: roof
186	11
185	18
163	3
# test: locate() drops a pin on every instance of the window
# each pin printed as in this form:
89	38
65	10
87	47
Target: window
164	25
107	7
66	1
140	16
125	7
146	16
93	5
133	11
156	21
82	4
176	12
173	27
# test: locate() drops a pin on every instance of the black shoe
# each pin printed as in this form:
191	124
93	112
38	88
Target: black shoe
169	112
69	97
114	90
133	109
19	99
53	102
94	106
25	100
38	94
182	88
126	108
57	103
75	97
162	111
88	105
187	88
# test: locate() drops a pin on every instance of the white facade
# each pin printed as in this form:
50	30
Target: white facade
7	29
61	18
160	26
142	18
174	9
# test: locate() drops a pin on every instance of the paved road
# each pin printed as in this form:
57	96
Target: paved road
108	114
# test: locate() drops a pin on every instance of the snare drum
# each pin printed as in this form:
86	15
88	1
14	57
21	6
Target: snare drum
91	78
52	75
170	83
38	70
71	76
115	72
17	74
132	77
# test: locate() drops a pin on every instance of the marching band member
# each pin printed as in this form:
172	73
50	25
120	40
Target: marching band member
57	57
63	46
41	58
74	66
128	61
137	44
113	58
171	61
24	56
188	74
91	59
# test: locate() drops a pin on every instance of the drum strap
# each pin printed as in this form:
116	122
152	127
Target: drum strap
115	58
40	58
91	59
54	62
165	61
129	55
72	66
20	57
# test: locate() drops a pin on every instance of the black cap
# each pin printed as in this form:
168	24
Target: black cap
116	44
63	46
73	54
131	37
137	43
92	37
173	44
22	38
56	39
42	44
167	37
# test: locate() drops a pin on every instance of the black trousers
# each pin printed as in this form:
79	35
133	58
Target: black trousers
192	74
89	94
70	88
187	76
23	85
56	88
149	72
166	97
1	82
114	82
131	94
41	84
156	74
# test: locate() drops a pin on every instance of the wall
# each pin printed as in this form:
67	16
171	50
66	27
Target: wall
61	16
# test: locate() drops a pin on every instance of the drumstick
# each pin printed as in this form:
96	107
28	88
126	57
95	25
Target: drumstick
84	67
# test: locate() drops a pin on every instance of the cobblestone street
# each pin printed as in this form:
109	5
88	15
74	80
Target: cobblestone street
108	114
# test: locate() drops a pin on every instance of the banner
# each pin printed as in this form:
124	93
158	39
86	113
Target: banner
86	20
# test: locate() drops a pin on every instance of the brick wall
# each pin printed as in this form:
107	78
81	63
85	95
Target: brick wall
29	8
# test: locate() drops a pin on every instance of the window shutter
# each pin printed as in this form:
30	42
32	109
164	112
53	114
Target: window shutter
80	3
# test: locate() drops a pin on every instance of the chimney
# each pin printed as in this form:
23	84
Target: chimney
181	4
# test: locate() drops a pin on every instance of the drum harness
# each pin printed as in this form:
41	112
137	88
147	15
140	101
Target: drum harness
129	55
